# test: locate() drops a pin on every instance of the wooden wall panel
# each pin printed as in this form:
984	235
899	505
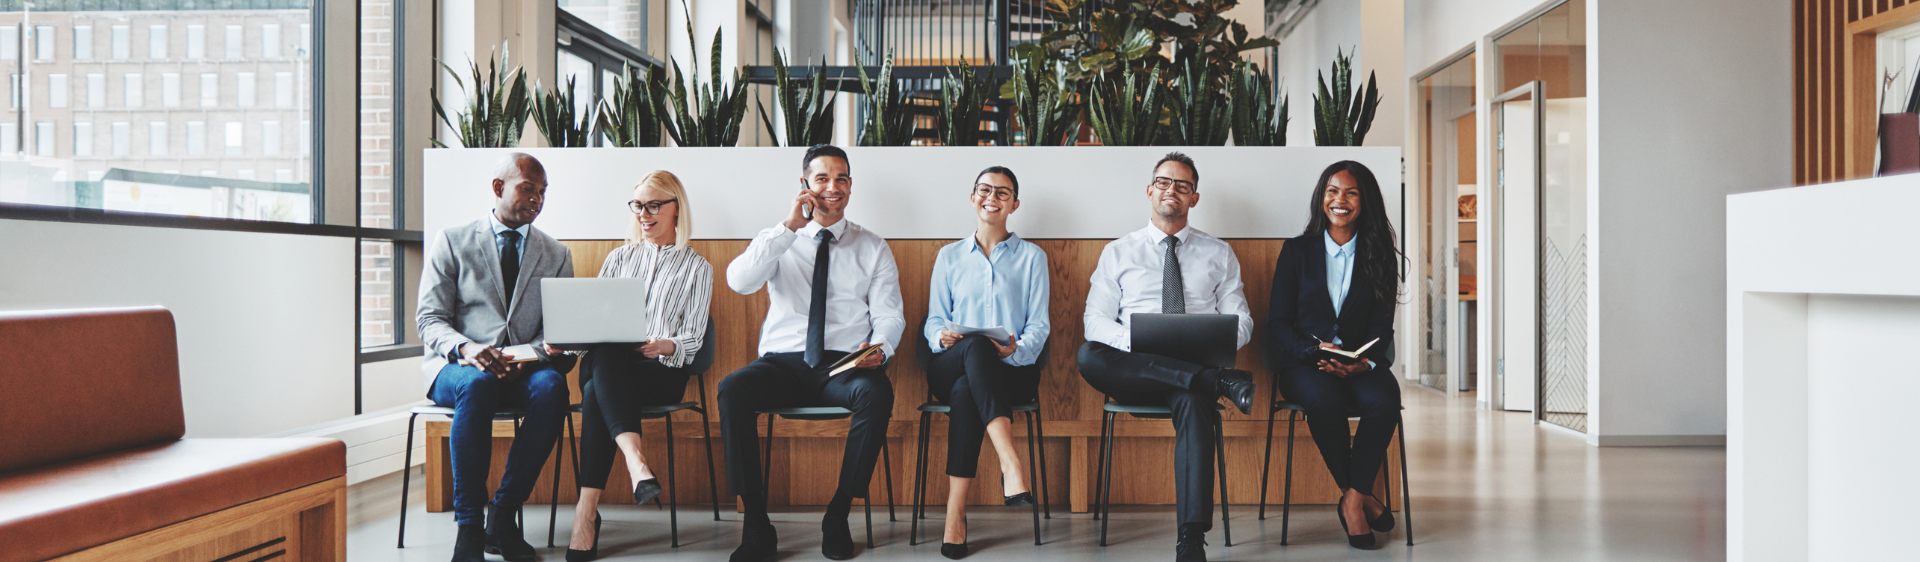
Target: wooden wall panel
807	454
1834	120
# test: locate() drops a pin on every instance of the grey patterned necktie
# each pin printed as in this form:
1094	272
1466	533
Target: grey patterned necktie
817	308
1173	292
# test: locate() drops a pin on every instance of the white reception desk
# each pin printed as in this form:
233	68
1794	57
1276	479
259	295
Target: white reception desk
1823	389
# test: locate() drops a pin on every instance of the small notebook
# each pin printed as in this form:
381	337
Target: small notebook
995	333
1345	356
521	353
847	363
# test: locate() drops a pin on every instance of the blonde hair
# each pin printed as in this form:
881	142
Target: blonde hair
667	183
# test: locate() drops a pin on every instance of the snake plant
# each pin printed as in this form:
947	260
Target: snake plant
496	109
1342	115
1199	106
553	113
1124	109
627	117
807	111
713	114
1044	98
961	95
1255	119
888	121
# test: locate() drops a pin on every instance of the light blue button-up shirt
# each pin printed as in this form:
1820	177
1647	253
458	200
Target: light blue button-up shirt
1008	289
1340	276
500	242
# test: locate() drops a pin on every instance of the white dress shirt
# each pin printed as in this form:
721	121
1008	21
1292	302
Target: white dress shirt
863	287
1340	276
1127	281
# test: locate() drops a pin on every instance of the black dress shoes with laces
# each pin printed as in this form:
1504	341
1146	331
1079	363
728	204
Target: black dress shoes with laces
1192	548
836	540
1237	387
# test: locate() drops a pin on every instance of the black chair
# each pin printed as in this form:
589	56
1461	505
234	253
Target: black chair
824	413
1036	435
1103	487
406	466
1294	412
702	361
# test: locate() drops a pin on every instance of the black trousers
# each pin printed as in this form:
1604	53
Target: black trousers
980	388
1186	388
783	380
615	381
1328	400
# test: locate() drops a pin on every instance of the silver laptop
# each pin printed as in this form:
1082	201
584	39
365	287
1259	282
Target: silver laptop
579	313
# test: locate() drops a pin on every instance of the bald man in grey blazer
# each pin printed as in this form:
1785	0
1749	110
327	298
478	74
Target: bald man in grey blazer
480	293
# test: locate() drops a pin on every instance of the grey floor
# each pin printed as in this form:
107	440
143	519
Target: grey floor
1487	486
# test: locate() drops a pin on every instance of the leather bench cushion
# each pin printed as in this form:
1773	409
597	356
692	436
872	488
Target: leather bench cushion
62	508
84	382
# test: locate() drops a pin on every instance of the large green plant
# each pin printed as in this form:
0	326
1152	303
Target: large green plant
717	110
807	111
496	108
1259	116
1199	104
553	114
1129	35
889	121
627	118
1044	101
1124	108
961	96
1342	115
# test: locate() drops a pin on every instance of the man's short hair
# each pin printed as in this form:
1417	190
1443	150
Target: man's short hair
1183	159
821	150
1002	170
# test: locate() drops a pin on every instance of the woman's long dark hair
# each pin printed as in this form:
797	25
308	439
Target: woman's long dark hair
1377	255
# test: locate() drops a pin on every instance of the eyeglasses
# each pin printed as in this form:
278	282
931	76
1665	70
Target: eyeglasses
995	192
651	208
1164	183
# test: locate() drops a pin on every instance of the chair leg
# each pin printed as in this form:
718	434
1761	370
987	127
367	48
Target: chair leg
1046	504
553	509
673	489
1406	495
919	481
519	515
406	478
1266	463
1220	458
1031	442
867	503
1286	493
766	459
886	460
1100	468
1106	477
713	484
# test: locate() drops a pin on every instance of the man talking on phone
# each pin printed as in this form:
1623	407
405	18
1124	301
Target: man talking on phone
834	291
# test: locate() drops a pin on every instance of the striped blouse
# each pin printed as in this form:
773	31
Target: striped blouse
681	288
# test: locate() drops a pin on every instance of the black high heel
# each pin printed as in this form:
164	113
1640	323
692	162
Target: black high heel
1363	541
955	551
1022	499
590	553
1380	524
645	490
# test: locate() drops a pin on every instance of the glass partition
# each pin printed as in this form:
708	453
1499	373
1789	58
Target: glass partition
1446	285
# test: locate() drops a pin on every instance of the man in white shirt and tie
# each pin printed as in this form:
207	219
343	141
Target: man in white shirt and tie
1169	267
834	290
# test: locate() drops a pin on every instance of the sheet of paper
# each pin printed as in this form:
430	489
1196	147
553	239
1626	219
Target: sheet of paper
521	353
996	333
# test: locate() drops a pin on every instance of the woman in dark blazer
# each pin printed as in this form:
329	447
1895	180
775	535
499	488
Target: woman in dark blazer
1335	287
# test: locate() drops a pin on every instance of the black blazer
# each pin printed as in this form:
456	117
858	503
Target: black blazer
1301	310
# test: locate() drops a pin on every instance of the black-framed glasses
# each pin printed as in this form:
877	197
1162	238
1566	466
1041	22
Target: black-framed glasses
996	192
1182	187
651	208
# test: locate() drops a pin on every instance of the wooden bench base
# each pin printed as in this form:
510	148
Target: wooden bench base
308	524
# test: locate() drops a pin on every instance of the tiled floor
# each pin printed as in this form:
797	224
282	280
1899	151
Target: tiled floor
1487	486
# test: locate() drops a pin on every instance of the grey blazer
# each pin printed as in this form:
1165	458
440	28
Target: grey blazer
462	298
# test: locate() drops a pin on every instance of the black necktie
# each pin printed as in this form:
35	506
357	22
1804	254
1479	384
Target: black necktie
510	262
817	310
1173	292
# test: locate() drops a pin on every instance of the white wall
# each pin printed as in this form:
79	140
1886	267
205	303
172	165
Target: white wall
1330	28
1438	28
1671	136
264	321
1849	393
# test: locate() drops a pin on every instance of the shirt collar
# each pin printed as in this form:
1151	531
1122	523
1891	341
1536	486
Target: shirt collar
1339	250
812	229
1155	235
499	228
973	244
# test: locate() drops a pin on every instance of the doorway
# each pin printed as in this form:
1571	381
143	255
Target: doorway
1447	286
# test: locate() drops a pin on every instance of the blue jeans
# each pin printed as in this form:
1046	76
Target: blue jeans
474	396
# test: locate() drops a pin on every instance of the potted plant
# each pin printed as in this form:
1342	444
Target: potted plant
496	109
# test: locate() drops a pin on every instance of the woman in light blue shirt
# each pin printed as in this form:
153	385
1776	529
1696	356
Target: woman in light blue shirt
992	279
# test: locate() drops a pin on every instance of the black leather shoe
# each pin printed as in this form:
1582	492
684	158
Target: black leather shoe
470	545
1022	499
1192	548
836	540
758	543
1237	387
504	537
592	552
645	490
1383	523
955	551
1362	541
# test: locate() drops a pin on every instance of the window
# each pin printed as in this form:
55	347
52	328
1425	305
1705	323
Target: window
270	138
196	41
9	44
306	138
43	138
120	40
133	90
43	42
13	92
233	42
210	173
157	138
122	131
246	89
8	138
270	41
283	175
56	90
306	38
156	41
196	138
170	89
233	138
283	89
209	90
82	139
245	174
96	90
83	42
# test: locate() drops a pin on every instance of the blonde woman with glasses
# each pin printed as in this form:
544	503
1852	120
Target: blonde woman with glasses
617	380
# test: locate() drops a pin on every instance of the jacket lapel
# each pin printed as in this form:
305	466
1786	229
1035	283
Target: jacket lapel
489	270
529	263
1317	276
1350	309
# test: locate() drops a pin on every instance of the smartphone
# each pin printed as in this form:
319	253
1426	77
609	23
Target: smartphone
805	209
